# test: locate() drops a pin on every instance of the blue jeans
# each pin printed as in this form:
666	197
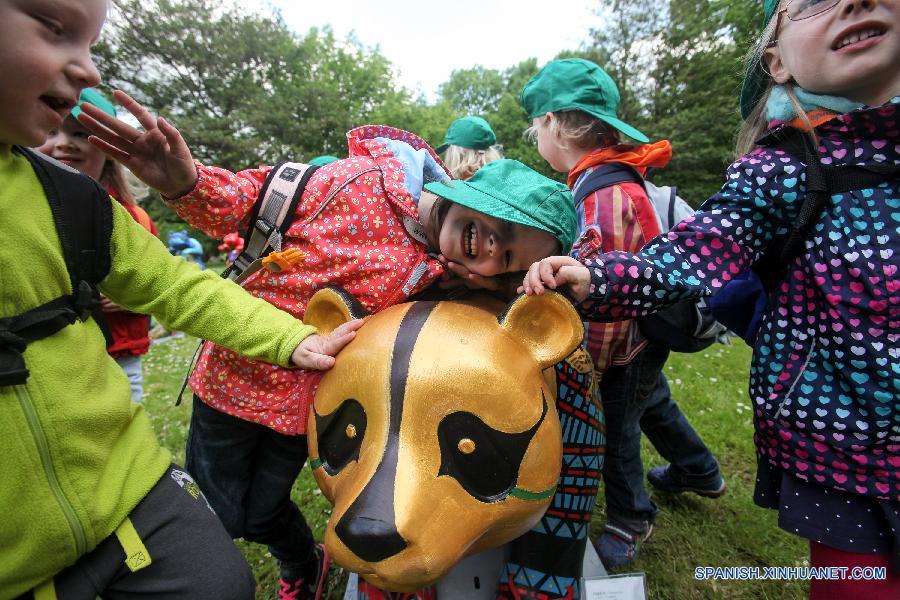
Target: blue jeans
135	372
246	471
636	398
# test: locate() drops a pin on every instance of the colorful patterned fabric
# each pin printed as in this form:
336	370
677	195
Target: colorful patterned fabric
824	378
608	220
349	224
547	561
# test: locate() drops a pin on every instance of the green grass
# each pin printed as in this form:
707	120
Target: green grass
691	531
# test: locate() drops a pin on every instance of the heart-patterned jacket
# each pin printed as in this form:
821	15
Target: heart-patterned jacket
825	374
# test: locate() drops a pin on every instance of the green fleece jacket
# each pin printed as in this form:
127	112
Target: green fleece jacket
76	455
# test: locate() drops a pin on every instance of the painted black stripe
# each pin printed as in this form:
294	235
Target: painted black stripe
410	326
368	527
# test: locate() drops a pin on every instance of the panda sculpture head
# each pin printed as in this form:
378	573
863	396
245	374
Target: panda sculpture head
435	435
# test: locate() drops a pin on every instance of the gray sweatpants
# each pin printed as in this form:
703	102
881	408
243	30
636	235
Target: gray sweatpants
191	555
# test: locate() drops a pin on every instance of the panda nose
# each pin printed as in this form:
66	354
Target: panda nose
372	540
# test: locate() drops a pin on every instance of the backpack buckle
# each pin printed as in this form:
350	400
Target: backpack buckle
12	363
270	233
264	227
85	300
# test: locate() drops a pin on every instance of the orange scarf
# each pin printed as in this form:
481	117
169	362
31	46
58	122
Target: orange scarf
640	157
816	117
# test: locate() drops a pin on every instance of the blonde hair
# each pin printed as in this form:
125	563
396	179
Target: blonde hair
463	162
577	128
113	178
756	123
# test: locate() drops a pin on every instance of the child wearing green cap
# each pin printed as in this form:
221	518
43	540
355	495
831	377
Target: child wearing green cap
321	161
821	160
469	144
572	104
128	332
381	224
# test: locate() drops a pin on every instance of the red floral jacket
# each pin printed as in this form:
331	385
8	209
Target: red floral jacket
349	223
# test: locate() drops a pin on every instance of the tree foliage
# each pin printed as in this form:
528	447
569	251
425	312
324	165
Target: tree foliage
678	64
242	87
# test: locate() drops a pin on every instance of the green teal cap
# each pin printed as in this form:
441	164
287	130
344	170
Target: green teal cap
755	78
92	96
508	190
576	84
469	132
321	161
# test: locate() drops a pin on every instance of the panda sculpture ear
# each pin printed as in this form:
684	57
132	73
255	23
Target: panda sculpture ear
330	308
548	325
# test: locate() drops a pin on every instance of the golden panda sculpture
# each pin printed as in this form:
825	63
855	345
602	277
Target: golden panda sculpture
435	435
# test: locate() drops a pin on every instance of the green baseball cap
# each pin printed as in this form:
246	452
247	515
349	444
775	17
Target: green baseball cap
575	83
92	96
321	161
508	190
755	78
469	132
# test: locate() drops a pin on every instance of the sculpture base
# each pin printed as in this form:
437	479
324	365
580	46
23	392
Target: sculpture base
476	576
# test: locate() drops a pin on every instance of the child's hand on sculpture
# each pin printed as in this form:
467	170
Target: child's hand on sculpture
556	271
317	352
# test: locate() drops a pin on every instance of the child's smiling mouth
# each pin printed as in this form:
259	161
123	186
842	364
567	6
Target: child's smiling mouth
470	241
58	104
858	34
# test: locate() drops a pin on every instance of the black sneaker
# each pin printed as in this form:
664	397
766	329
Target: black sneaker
663	479
305	581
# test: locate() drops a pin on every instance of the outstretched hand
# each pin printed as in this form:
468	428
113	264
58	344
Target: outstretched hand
158	155
555	271
317	352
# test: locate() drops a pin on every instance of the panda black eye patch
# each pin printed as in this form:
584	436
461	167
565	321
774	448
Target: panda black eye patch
340	435
483	460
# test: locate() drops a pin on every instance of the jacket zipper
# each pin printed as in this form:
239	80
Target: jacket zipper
335	192
787	396
44	450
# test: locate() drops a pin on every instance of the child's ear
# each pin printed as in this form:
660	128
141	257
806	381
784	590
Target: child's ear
775	65
330	308
547	324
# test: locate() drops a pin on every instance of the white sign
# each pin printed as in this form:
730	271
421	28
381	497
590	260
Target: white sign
629	586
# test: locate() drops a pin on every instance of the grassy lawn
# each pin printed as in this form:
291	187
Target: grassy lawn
691	531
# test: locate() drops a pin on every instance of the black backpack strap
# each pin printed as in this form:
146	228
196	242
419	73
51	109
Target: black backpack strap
605	176
83	221
821	182
272	214
82	212
16	332
673	196
814	202
856	177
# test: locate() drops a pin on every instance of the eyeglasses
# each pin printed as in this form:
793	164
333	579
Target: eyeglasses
797	10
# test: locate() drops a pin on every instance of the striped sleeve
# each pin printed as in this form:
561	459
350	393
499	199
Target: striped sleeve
611	214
